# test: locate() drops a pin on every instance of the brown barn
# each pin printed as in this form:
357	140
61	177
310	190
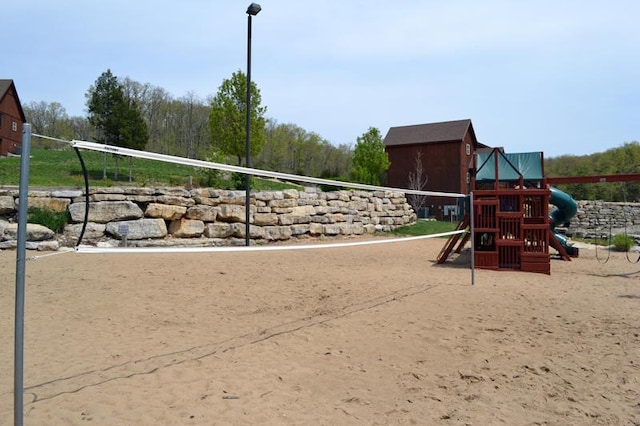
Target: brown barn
11	119
446	150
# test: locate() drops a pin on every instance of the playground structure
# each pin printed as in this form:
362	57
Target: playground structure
512	226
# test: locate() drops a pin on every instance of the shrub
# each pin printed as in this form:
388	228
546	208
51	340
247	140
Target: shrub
55	221
622	242
330	188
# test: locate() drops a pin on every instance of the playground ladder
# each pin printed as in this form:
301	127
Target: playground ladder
453	239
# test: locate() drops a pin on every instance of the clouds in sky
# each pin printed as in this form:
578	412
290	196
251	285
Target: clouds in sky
555	76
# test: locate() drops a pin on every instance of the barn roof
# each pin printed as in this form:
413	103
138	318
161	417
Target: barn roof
447	131
5	85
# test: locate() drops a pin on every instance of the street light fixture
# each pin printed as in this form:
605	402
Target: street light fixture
252	10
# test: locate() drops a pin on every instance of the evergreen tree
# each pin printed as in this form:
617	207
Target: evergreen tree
117	118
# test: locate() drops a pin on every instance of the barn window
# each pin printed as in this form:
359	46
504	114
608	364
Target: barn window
14	126
468	149
0	121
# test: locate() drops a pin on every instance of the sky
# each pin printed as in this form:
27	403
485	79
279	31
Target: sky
560	76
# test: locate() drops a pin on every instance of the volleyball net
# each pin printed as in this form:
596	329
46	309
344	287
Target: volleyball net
80	145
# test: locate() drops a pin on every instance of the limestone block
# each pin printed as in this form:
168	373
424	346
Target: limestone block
344	196
286	203
165	211
218	230
231	213
360	205
36	193
240	200
106	211
52	245
356	228
255	232
291	193
202	212
35	232
265	219
297	230
138	229
142	199
306	210
7	205
320	219
92	231
275	233
53	204
206	201
290	219
336	203
336	217
321	210
370	228
200	192
308	202
214	193
140	191
331	229
173	192
266	195
281	210
176	200
67	193
186	228
107	197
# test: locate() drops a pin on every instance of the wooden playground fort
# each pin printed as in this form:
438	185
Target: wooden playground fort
511	224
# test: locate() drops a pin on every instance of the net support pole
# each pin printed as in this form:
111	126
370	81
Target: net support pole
21	257
247	177
473	239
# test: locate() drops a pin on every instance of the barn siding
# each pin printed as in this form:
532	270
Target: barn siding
445	163
10	140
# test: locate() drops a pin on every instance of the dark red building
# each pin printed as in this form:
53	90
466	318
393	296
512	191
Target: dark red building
11	118
446	151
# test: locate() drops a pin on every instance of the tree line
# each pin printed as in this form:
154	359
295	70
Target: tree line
125	112
622	159
213	129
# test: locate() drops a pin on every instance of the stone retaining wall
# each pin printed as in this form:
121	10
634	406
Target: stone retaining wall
597	218
203	217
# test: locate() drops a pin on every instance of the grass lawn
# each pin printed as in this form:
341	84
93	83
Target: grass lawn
425	227
61	168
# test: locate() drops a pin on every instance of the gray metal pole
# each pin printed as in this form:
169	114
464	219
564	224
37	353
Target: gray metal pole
473	239
247	147
18	377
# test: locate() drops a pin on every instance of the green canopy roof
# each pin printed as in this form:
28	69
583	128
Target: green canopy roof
510	166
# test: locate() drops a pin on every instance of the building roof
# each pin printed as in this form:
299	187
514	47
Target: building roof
447	131
5	85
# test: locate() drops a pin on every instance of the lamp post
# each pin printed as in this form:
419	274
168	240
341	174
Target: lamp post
252	10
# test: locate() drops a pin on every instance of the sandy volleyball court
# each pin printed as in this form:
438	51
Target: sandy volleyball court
371	335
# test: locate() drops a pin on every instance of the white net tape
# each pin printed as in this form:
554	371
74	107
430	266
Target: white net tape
91	249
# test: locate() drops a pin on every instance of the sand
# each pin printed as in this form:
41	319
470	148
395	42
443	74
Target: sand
371	335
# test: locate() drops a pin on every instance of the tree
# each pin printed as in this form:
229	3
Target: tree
370	160
417	181
227	120
117	117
